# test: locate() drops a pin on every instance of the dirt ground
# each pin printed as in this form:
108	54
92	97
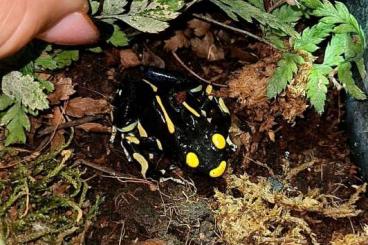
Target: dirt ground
283	141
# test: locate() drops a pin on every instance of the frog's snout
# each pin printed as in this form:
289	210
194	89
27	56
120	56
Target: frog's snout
219	170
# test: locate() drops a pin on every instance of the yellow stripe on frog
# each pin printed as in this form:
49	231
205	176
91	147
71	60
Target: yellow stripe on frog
191	109
154	88
169	123
142	132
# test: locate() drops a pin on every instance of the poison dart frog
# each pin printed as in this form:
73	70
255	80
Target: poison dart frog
156	112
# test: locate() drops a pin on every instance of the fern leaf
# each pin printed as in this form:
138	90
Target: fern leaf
312	4
249	12
317	86
361	67
335	49
346	78
16	122
313	36
286	68
288	14
257	3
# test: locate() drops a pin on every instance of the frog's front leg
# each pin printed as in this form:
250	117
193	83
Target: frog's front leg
140	149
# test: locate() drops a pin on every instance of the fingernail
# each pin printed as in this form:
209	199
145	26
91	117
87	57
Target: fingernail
76	28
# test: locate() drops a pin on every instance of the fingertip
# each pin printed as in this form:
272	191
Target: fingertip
74	29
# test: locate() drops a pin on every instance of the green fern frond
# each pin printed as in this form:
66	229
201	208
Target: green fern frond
288	14
286	68
346	78
317	86
313	36
249	12
335	50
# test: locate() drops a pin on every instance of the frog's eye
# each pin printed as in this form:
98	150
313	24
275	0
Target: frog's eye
219	141
192	160
219	170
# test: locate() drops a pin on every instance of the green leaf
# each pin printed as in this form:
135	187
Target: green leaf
288	14
312	4
46	85
286	68
5	102
16	122
335	49
146	16
24	90
248	12
346	78
339	14
118	37
96	50
66	57
114	7
317	86
45	61
94	6
361	67
227	9
313	36
257	3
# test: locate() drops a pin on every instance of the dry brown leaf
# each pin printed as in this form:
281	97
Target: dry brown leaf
79	107
151	59
57	117
199	27
58	140
94	128
63	89
206	48
128	58
179	40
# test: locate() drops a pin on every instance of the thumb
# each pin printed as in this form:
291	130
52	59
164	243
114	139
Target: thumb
59	21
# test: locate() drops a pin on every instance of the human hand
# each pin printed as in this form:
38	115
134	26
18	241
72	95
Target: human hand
55	21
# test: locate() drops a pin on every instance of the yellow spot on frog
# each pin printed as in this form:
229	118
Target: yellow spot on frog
169	123
142	161
218	141
191	109
192	160
209	89
217	172
132	139
223	106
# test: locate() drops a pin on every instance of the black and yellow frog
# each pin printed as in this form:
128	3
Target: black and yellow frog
164	112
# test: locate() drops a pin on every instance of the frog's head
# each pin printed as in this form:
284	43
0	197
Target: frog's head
207	151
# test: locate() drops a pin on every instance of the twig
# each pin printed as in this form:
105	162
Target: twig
69	124
124	178
195	74
235	29
276	5
270	171
103	169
